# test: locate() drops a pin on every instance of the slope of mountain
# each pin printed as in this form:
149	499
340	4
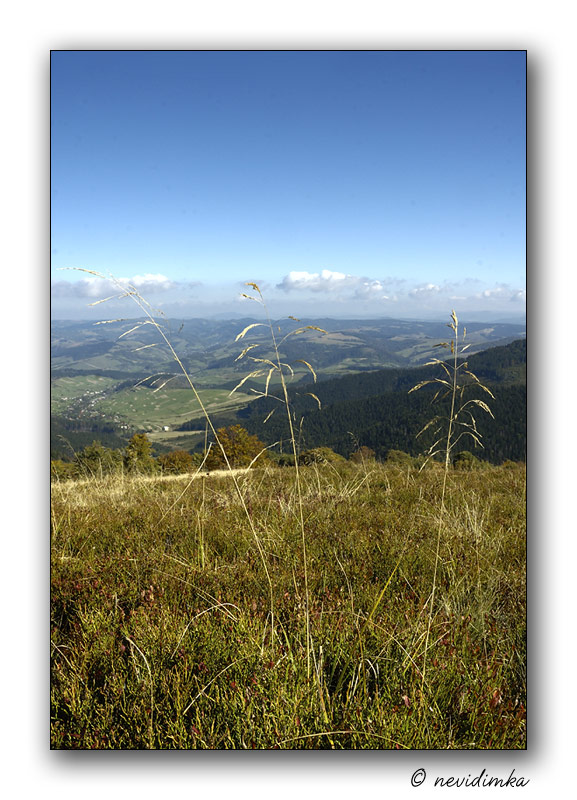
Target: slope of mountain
120	377
376	410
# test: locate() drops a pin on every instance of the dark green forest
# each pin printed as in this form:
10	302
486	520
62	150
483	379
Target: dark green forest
391	422
376	410
68	436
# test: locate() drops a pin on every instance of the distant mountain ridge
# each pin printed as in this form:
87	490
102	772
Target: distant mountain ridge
208	346
119	377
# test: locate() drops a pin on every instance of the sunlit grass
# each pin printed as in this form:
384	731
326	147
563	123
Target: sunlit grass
161	632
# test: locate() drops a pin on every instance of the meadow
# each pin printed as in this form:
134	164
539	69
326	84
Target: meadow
146	409
186	614
66	389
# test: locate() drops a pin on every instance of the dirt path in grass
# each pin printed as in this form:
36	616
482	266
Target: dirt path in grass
186	477
215	473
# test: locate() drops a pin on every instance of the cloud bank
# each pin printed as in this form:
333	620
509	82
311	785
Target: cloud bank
397	291
94	287
338	282
304	293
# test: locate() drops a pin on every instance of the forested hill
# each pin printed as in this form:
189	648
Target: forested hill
376	410
502	365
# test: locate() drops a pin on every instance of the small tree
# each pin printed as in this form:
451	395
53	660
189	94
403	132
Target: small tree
320	455
400	457
138	455
465	460
95	460
62	470
240	446
362	455
175	463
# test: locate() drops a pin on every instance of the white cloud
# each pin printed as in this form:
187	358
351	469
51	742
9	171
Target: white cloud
467	295
149	282
95	287
368	289
324	281
503	292
335	282
498	292
327	292
425	290
86	287
340	287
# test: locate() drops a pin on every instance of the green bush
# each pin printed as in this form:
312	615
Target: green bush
320	455
95	461
285	460
62	470
400	458
138	457
362	455
467	461
176	463
241	448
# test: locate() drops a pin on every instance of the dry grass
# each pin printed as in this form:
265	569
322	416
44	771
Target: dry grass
178	577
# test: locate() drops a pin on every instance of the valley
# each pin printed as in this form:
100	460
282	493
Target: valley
120	378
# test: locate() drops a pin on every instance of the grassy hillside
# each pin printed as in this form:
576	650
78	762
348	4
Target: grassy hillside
180	611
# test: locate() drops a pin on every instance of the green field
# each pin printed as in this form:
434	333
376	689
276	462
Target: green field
64	390
147	409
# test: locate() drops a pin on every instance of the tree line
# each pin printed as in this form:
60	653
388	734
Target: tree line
236	448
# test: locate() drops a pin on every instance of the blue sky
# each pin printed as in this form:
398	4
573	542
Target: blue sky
348	183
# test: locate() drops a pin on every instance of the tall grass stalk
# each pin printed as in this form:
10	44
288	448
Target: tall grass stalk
277	367
459	423
151	715
132	292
